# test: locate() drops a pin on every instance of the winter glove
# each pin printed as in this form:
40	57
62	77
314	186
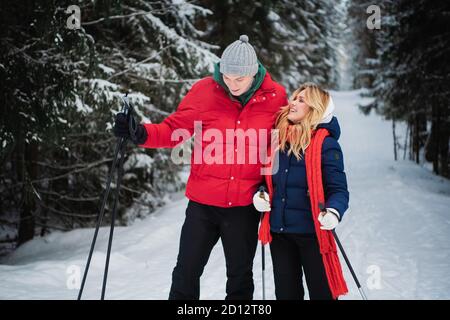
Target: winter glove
121	126
261	201
122	129
329	219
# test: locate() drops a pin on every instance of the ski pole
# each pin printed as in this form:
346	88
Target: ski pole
263	252
263	266
101	214
132	124
113	216
347	261
121	142
361	291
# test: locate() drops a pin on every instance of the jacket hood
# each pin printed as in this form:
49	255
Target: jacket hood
328	115
330	122
333	127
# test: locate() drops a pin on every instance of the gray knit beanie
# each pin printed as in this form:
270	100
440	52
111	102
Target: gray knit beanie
239	58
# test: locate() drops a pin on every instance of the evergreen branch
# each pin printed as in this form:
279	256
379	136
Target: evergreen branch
88	167
140	13
140	62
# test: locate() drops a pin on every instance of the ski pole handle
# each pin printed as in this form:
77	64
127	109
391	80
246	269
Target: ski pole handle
261	191
126	104
128	110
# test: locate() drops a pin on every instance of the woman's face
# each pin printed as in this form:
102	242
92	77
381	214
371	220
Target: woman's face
237	84
298	108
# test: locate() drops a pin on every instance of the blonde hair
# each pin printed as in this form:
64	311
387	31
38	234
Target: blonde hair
298	135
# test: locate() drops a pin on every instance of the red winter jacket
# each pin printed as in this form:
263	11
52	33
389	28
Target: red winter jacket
217	180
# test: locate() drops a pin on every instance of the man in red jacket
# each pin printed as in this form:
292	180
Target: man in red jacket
231	115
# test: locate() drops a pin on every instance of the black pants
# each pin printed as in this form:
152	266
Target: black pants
290	253
237	227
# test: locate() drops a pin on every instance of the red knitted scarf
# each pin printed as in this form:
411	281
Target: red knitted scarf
327	244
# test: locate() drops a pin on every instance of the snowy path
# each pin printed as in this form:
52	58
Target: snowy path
397	231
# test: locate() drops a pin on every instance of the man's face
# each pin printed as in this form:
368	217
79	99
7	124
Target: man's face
237	84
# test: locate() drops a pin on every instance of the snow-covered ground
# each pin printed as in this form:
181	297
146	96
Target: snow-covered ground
396	234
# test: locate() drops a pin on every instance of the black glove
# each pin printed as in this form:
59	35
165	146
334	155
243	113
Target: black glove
121	126
122	129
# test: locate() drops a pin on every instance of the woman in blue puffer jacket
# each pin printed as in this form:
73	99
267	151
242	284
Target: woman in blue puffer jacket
299	238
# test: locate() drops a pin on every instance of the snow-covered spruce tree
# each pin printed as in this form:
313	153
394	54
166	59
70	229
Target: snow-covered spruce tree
417	92
409	76
37	72
295	40
62	89
362	44
304	41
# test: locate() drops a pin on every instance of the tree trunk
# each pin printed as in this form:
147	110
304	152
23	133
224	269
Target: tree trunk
444	136
27	171
432	145
420	126
406	141
395	139
416	140
411	139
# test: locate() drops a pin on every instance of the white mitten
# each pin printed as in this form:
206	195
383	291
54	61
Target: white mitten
261	201
329	219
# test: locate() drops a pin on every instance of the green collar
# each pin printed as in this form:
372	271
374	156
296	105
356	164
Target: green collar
245	97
